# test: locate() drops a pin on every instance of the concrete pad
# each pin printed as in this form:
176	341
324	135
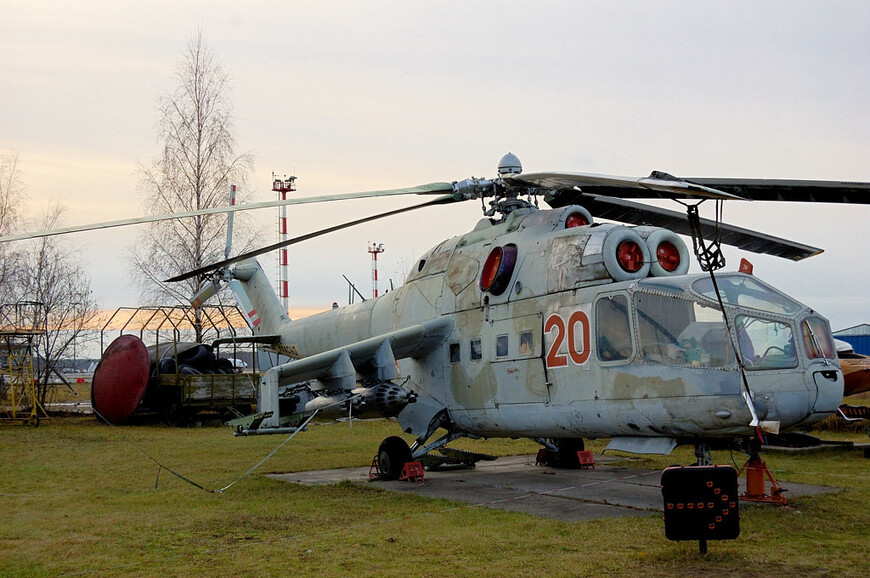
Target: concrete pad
515	483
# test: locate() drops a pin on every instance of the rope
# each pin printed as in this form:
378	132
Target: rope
272	453
161	466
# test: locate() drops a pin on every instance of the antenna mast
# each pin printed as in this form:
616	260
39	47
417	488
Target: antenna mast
375	249
282	187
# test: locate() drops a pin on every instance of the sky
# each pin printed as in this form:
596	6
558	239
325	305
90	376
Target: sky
355	96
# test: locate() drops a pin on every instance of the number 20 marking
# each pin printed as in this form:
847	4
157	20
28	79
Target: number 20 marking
578	356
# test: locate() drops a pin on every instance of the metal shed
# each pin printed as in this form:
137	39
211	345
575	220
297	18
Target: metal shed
858	337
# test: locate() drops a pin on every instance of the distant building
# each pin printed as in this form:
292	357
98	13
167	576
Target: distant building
858	337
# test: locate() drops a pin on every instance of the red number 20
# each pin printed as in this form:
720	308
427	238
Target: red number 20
578	355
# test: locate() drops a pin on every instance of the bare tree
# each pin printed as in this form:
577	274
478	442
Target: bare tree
47	273
195	169
12	192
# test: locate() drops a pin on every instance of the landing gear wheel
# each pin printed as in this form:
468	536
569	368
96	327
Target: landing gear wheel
567	457
392	455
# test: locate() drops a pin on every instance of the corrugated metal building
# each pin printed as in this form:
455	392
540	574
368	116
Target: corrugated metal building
858	337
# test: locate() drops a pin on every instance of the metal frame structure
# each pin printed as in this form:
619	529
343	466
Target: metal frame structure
177	319
21	324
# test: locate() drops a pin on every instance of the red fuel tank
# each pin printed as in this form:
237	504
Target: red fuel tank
120	379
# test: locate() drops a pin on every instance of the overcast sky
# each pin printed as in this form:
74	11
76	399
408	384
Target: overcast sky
352	96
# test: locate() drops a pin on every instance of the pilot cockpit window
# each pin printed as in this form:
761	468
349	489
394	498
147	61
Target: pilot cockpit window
747	292
675	331
476	349
455	356
613	329
765	344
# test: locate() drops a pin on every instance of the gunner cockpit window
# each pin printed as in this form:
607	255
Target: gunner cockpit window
675	331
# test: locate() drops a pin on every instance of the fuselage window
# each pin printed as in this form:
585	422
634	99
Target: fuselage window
455	356
501	346
612	328
527	343
476	349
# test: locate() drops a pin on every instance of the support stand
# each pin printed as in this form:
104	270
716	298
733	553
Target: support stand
756	491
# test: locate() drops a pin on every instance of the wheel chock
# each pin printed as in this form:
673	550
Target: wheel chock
586	459
412	472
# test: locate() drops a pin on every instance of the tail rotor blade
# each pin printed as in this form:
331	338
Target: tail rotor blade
250	313
204	294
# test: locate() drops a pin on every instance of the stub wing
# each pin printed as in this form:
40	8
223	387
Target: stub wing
356	378
370	359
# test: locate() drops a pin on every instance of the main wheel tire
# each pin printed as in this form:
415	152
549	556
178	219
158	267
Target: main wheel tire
392	456
567	457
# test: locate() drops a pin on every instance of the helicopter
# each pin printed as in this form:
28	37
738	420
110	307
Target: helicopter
549	325
544	324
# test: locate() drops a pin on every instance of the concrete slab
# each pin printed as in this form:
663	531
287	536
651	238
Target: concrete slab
515	483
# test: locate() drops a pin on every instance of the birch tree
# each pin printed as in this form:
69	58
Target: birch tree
194	170
12	192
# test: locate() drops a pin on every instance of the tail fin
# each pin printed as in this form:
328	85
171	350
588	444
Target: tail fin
257	299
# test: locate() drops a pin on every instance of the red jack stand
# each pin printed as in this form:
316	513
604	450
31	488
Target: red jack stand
375	470
756	472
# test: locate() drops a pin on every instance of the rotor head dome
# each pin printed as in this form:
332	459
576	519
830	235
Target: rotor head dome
510	165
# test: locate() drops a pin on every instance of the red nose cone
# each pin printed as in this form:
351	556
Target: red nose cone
121	379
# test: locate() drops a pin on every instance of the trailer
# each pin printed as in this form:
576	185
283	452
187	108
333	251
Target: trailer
192	365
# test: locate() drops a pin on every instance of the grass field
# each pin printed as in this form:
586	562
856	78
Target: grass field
79	497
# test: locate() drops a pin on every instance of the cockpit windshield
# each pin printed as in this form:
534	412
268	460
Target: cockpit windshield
744	291
677	331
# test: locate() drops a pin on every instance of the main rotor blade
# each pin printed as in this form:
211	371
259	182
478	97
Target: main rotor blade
626	211
439	201
795	191
427	189
657	185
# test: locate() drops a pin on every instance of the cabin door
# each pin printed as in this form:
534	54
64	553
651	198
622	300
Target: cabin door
515	352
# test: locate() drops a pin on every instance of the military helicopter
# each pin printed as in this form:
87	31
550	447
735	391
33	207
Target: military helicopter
545	324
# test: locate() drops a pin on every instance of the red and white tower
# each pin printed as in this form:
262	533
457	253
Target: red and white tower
375	249
282	187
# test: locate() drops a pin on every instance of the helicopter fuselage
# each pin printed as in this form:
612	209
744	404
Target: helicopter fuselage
534	327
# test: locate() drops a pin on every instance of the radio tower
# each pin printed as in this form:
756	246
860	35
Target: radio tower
282	187
374	249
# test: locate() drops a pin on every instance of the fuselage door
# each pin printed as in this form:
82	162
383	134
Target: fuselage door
515	350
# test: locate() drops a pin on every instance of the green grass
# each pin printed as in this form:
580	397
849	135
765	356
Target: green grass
79	497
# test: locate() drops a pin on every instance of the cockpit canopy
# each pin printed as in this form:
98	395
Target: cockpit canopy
677	326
